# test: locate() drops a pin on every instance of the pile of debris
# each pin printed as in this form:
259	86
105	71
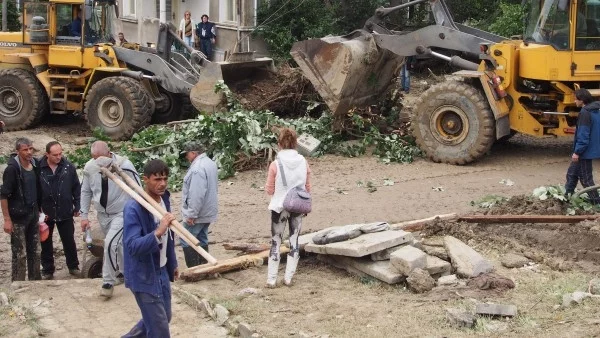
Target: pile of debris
393	256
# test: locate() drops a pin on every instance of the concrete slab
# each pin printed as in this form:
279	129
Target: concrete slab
467	262
362	245
73	308
408	258
307	238
438	267
384	255
381	270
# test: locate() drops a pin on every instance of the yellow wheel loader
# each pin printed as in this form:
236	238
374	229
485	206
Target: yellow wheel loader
64	61
506	86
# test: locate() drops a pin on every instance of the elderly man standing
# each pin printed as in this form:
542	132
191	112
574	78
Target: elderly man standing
60	189
199	200
20	201
108	200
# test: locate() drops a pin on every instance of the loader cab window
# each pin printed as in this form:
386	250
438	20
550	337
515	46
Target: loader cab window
35	24
587	34
548	23
68	24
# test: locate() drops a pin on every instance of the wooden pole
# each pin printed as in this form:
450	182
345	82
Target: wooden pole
419	224
156	213
526	218
198	272
133	184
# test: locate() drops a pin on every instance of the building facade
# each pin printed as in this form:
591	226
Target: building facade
235	19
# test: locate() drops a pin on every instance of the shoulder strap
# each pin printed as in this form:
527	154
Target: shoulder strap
282	174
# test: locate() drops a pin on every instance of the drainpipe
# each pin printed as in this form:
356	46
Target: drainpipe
239	23
4	15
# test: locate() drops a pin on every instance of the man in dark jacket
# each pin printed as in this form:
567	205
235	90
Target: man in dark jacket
60	202
149	255
205	31
19	198
586	145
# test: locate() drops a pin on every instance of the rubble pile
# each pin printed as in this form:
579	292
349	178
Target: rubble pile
381	251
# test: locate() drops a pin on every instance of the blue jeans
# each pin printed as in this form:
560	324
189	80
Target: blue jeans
200	231
156	311
581	171
189	40
405	78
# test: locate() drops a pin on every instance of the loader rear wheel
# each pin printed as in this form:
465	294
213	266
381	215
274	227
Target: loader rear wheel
92	268
119	105
23	101
173	107
453	123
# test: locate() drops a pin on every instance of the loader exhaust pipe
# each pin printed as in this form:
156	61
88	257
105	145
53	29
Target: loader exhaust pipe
455	61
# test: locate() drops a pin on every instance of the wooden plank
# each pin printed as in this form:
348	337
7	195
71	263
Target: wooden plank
248	248
419	224
226	265
526	218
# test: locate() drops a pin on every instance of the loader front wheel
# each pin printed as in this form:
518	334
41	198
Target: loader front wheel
452	123
173	107
119	105
23	101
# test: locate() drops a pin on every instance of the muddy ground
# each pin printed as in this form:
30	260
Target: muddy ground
327	302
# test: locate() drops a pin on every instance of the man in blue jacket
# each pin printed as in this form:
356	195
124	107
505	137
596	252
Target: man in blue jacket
149	255
586	145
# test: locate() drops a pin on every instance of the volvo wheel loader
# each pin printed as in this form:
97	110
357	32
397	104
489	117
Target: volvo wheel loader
64	61
506	86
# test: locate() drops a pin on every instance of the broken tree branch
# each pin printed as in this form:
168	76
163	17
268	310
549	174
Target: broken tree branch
247	247
526	218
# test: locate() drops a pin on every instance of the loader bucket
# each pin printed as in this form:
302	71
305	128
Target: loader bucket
203	95
347	71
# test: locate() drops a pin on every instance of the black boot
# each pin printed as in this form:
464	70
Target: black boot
192	258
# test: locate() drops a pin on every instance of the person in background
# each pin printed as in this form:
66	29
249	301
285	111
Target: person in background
405	73
121	40
60	189
109	200
586	145
186	29
75	28
200	204
297	173
207	34
20	202
150	261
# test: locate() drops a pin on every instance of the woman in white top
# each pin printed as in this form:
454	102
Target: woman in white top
297	173
187	29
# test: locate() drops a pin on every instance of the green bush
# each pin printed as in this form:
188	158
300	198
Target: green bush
510	21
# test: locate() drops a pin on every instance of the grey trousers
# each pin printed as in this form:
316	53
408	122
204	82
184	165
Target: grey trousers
112	264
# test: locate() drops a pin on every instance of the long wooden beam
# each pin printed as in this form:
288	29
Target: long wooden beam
242	262
419	224
526	218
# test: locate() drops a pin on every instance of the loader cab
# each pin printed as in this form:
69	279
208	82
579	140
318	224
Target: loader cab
36	23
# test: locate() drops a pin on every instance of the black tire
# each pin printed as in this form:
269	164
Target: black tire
174	107
92	268
119	105
23	100
453	123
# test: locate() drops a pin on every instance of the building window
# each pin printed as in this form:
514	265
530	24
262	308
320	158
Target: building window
129	7
228	10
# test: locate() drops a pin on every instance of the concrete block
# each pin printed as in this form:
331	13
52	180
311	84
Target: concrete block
362	245
575	298
460	318
420	281
222	314
408	258
447	280
433	241
491	309
245	330
513	261
384	255
307	238
436	266
307	144
436	251
381	270
466	261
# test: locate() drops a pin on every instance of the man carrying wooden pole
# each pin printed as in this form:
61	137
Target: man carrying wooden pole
149	254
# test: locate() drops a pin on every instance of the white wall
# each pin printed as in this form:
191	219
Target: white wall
197	8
